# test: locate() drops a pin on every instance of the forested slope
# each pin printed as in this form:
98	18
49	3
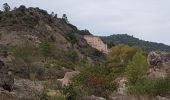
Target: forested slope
130	40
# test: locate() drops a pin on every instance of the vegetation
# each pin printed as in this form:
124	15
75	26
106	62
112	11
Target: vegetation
46	49
95	80
51	50
119	57
159	87
72	56
92	80
25	58
136	73
52	91
71	37
85	32
137	68
6	7
65	18
132	41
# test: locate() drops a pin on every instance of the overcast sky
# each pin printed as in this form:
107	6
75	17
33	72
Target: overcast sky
145	19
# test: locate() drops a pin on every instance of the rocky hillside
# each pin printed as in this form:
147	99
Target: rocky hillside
35	45
43	57
130	40
32	26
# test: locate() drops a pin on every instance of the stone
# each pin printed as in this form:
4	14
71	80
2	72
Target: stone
23	90
159	64
68	77
94	98
157	58
161	98
6	77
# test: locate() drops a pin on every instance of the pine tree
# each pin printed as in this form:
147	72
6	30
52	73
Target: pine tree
6	7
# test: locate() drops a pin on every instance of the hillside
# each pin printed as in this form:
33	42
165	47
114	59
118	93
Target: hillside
35	45
33	26
44	57
130	40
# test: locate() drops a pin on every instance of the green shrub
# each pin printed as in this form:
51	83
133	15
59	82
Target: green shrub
151	87
71	37
58	98
72	56
119	56
96	80
56	87
72	92
46	49
25	62
84	32
137	68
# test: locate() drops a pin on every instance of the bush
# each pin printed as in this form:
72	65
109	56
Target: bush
72	92
6	7
22	8
46	49
137	68
119	56
71	37
95	80
26	60
72	56
84	32
55	87
159	87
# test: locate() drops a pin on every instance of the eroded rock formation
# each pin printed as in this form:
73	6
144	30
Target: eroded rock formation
68	77
158	58
159	64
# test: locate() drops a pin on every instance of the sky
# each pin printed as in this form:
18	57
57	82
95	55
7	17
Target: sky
145	19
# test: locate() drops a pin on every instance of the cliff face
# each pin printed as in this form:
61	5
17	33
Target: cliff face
97	43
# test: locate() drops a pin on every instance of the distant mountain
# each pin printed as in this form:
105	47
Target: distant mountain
130	40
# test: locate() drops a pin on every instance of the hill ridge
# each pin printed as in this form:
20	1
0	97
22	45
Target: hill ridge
131	40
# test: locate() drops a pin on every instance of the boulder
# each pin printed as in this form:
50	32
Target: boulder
157	58
94	98
68	77
161	98
122	85
159	64
6	77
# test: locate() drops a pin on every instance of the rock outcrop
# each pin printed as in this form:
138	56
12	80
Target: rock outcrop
23	90
6	77
68	77
157	58
159	64
94	98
